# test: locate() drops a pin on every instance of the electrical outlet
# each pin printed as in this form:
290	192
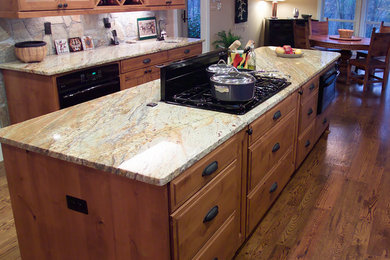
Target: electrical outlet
47	26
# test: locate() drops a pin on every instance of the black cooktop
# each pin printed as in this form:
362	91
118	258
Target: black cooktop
186	83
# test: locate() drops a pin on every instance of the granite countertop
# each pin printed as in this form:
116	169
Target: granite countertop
121	135
57	64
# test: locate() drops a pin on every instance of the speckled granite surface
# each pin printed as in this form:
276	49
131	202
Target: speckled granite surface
120	134
56	64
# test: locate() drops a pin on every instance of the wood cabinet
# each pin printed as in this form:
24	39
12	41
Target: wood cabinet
142	69
205	204
307	118
40	8
270	158
279	32
163	2
37	5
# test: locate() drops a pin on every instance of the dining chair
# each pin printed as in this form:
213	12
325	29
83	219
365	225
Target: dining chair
301	35
379	47
318	28
382	29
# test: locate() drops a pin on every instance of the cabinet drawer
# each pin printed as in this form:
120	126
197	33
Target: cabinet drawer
309	89
269	149
264	194
224	243
272	117
308	112
184	52
143	61
322	122
305	143
163	2
200	217
139	76
193	179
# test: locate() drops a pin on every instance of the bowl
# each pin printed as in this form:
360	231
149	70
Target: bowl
306	16
31	51
345	33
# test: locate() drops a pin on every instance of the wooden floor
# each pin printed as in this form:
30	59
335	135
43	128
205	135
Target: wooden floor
337	205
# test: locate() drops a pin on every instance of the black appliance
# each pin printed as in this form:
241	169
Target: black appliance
88	84
187	83
327	89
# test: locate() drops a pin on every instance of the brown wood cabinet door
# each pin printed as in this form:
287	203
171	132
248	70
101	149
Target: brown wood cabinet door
38	5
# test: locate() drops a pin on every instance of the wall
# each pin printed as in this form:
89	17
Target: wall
63	27
258	9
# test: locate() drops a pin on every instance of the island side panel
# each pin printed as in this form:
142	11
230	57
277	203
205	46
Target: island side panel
29	95
126	219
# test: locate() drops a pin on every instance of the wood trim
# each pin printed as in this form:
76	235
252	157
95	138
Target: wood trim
24	95
95	10
126	219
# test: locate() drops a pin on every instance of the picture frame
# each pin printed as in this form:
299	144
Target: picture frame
87	42
61	46
75	44
147	28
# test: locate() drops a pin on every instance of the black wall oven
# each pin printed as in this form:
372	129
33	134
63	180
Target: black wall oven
88	84
327	89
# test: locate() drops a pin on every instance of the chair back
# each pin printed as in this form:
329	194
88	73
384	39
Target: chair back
384	28
301	35
318	28
379	45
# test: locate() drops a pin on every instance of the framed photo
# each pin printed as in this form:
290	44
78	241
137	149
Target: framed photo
61	46
87	43
147	28
75	44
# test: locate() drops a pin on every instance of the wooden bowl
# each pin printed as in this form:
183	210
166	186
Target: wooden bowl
31	51
345	33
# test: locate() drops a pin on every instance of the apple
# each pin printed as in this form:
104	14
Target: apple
279	50
287	49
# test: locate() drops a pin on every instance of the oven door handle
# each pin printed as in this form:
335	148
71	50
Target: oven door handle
91	88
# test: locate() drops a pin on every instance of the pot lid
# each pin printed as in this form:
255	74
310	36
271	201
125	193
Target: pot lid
220	67
233	78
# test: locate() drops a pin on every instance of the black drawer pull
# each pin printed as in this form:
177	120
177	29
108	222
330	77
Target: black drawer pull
300	92
277	115
59	5
146	71
149	70
210	169
211	214
276	147
325	121
310	111
168	2
186	51
273	187
312	86
65	5
307	143
146	61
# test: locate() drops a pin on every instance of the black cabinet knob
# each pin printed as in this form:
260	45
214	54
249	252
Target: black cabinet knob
310	111
312	86
59	5
186	51
300	92
276	147
210	169
146	61
273	187
213	212
65	5
277	115
307	144
168	2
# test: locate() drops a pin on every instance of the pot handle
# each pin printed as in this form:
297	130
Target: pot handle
221	61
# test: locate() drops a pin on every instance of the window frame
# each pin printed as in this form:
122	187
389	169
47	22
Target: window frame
359	23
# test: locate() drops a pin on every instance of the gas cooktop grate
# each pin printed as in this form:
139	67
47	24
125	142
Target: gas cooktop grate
201	97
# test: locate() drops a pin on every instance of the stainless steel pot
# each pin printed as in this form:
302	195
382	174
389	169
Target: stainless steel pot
220	68
233	86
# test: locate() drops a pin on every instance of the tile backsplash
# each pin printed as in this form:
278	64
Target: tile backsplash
63	27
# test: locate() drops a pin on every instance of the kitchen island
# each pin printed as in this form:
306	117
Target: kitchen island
100	179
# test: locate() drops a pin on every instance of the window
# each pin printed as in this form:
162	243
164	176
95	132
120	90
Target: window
359	15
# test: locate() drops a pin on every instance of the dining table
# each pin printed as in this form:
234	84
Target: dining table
343	45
